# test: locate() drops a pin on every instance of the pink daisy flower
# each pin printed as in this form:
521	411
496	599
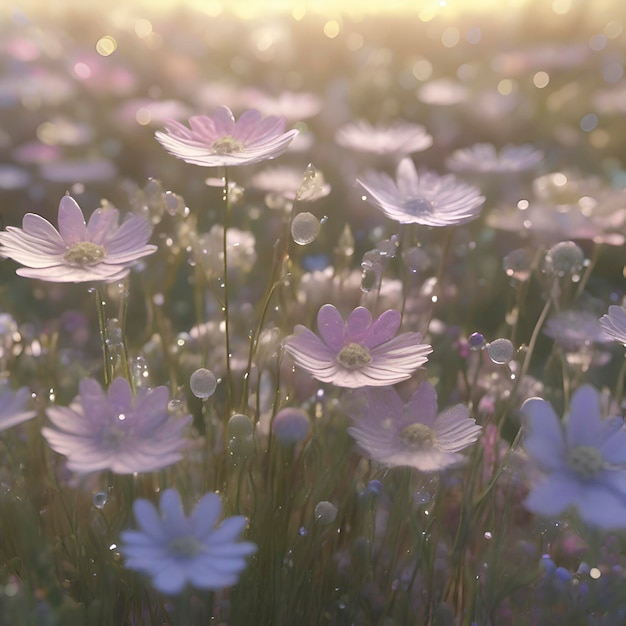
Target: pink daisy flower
77	252
357	352
220	140
425	198
399	139
412	434
114	430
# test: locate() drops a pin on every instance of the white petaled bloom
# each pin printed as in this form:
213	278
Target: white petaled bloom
13	405
483	157
220	140
425	198
400	138
175	550
99	250
412	434
114	430
614	323
358	352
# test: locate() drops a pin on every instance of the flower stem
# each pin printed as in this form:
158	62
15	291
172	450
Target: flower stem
226	199
102	324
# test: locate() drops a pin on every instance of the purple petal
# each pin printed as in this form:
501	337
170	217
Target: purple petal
383	329
120	396
407	178
71	221
357	325
205	515
102	223
422	407
553	496
331	327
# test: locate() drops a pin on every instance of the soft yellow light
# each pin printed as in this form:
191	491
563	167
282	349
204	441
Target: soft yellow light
106	46
541	80
331	29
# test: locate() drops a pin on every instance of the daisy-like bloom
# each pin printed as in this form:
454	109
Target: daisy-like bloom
425	198
13	406
573	329
584	460
115	431
412	434
77	252
614	323
174	549
483	157
357	352
219	140
400	138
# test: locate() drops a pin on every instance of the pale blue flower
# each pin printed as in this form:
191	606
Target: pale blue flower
13	406
583	459
174	549
422	198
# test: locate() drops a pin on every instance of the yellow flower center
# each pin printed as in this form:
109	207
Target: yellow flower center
585	461
418	436
354	356
84	253
227	145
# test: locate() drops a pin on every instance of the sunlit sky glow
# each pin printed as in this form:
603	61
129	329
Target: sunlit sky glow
299	9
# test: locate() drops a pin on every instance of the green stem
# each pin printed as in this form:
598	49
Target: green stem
102	323
225	306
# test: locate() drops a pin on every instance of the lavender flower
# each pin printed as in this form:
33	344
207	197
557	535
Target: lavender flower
411	434
424	198
483	157
12	406
115	431
584	461
358	352
400	139
175	549
219	140
614	323
77	252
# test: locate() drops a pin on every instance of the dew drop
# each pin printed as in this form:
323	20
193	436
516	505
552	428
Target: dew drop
305	227
501	351
203	383
100	499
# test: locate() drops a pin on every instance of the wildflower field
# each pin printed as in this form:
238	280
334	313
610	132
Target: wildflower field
313	314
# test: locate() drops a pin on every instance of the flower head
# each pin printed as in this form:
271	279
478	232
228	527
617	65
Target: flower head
219	140
115	431
175	549
357	352
614	323
423	198
12	406
401	138
78	252
411	434
483	157
584	460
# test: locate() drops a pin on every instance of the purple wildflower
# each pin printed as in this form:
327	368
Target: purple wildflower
614	323
423	198
12	407
219	140
357	352
483	157
411	434
77	252
400	139
175	549
584	461
115	431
